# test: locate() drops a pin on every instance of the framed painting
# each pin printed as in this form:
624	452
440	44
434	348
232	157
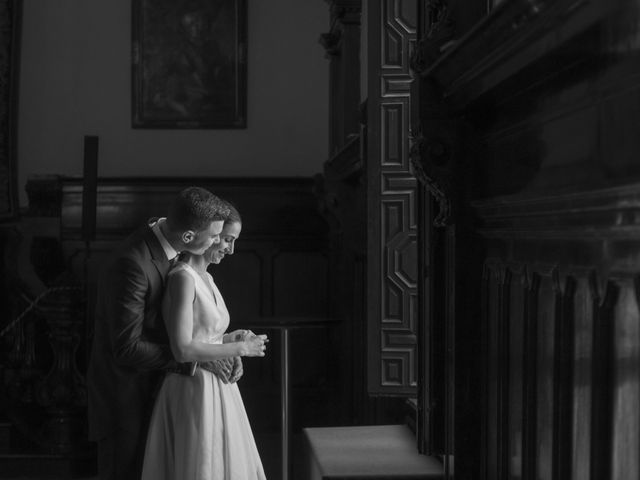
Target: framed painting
189	64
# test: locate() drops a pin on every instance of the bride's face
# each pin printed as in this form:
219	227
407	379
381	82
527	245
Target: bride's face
216	252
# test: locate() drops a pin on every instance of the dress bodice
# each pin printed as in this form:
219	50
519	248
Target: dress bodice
210	314
199	428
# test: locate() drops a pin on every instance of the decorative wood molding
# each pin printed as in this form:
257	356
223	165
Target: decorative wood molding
342	47
603	381
345	11
440	141
558	306
286	207
514	35
611	213
425	157
439	34
564	352
346	164
392	224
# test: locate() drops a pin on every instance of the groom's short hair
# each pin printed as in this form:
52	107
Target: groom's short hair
194	209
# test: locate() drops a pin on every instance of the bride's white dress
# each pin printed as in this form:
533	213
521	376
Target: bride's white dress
199	428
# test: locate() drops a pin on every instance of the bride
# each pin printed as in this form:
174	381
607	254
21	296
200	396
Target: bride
199	428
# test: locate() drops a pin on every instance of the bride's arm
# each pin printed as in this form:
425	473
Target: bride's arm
179	321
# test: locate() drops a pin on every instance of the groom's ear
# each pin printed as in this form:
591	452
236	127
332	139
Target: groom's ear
188	236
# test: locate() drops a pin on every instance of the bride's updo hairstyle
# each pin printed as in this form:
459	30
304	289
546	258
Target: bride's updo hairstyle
194	209
234	214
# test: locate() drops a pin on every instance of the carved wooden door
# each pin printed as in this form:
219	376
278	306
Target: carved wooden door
392	262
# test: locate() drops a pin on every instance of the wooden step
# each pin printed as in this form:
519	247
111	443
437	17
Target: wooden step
366	453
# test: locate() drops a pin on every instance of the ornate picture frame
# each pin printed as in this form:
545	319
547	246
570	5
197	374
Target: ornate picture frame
189	64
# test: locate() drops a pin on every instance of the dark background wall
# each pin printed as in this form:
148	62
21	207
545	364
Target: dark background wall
75	80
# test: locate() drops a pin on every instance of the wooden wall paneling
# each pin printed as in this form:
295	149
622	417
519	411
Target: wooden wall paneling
244	299
343	206
509	40
266	274
457	324
279	215
493	277
343	201
625	420
530	371
428	365
553	210
504	368
602	385
515	358
359	395
306	274
563	380
342	46
485	422
596	338
392	300
546	297
581	430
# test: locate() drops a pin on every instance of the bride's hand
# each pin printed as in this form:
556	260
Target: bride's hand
253	345
236	336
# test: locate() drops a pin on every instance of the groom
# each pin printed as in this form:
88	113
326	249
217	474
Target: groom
130	350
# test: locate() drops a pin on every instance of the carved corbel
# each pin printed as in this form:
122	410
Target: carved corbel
345	14
331	43
429	160
345	11
433	139
439	33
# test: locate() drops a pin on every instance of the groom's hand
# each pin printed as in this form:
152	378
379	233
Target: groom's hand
237	369
223	368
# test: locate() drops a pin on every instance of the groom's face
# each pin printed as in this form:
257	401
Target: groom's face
203	239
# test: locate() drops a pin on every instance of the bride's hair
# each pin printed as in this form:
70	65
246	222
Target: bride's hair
234	214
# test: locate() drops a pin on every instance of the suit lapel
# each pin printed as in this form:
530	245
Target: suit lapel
158	257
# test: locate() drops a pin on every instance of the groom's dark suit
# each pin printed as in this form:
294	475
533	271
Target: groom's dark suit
130	344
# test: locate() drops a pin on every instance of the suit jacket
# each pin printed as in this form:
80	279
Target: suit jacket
130	346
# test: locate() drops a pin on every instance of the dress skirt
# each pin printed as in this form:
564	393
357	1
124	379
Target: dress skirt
199	430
